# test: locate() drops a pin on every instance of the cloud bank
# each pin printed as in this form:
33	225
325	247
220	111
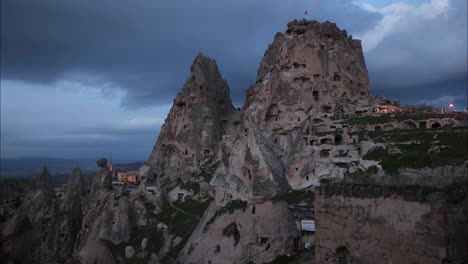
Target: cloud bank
133	57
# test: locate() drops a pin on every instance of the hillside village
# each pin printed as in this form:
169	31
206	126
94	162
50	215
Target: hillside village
312	168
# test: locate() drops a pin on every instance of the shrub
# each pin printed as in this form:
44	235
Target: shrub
228	209
296	197
232	231
102	162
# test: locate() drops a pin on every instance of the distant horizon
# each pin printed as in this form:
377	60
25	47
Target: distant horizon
73	159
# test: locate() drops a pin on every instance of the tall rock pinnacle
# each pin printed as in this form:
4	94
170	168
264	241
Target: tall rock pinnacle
196	123
313	71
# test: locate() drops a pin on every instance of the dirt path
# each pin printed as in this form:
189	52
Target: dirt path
182	211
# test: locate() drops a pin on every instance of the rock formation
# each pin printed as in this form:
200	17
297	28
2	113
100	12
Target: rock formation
201	114
303	123
312	71
103	179
109	216
375	224
71	215
227	186
258	233
44	226
35	224
42	183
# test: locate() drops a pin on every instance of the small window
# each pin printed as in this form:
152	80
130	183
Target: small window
338	139
325	153
336	77
253	209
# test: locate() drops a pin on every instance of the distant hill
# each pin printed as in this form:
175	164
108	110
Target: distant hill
26	166
128	166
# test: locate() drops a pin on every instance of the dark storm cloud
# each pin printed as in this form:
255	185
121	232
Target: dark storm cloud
453	85
422	58
146	47
128	143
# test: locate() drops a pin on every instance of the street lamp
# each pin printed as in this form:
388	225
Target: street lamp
452	107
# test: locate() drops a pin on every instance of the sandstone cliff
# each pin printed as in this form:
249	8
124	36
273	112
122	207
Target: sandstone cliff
375	224
312	71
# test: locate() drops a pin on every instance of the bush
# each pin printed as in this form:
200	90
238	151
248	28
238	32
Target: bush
296	197
102	162
228	209
232	231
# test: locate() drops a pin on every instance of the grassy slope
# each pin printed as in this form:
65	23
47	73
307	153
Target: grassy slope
414	147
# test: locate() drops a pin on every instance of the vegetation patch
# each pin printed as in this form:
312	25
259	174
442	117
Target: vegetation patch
181	224
385	118
337	131
342	154
172	254
192	206
453	193
190	185
414	148
361	176
208	169
232	231
154	244
228	209
296	197
306	256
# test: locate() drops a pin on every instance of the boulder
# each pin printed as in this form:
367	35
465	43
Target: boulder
129	251
144	243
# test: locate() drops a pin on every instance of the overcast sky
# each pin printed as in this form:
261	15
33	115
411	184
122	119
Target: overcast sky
85	78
